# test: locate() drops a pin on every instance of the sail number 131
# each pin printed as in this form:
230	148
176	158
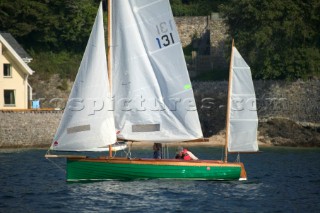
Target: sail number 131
164	29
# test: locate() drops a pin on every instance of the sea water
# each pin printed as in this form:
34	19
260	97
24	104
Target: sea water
279	180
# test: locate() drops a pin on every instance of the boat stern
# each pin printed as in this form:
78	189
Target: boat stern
243	174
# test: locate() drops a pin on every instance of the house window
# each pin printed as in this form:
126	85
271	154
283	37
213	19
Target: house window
7	70
9	98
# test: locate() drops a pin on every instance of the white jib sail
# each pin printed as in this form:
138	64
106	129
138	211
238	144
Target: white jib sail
153	95
243	115
88	122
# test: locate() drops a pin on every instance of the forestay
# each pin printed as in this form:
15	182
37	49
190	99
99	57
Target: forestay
153	95
243	115
87	123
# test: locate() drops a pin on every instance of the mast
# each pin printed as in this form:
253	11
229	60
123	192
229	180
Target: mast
228	105
109	54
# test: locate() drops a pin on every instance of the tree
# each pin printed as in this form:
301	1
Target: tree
279	39
19	16
195	7
47	24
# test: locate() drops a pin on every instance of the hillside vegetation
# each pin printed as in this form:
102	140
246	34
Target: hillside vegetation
279	39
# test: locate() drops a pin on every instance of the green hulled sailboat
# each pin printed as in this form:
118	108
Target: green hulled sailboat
144	93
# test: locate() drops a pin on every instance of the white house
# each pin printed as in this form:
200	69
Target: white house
15	91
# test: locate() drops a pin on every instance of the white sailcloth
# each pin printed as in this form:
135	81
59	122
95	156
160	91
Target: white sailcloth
243	115
153	95
88	122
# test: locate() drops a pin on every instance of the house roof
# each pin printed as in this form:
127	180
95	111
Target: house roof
16	46
16	51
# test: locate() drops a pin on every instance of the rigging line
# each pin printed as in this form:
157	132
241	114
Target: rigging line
120	150
128	154
162	49
222	152
147	5
59	167
115	152
238	158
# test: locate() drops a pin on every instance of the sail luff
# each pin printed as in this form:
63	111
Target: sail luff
229	104
109	39
109	56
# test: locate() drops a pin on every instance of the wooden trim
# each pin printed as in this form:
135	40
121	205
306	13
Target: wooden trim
243	174
171	162
195	140
24	66
199	140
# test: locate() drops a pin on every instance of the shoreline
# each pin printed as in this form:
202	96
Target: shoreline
276	132
148	145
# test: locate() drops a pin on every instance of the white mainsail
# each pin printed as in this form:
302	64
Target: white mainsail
88	122
243	112
152	91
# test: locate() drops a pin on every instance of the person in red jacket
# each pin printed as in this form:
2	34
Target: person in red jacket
183	153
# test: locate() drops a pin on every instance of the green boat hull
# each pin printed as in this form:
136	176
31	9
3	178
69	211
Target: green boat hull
126	169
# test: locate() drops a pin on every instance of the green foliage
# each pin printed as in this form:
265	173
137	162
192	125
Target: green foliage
279	39
48	25
195	7
54	32
64	63
19	17
212	75
65	24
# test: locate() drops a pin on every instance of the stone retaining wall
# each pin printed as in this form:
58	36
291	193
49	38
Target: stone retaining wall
299	101
28	129
208	35
193	27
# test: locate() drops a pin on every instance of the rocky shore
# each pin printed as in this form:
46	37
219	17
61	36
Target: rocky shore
284	132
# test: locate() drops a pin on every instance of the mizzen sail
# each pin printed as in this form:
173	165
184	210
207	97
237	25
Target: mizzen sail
243	120
88	123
